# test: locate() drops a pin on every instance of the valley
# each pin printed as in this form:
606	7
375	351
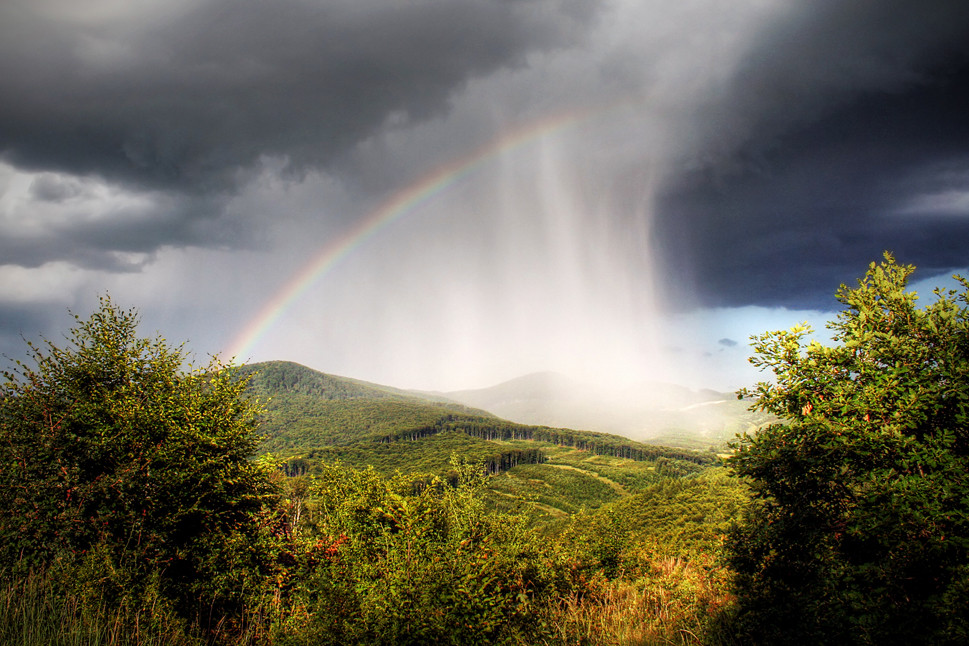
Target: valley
549	472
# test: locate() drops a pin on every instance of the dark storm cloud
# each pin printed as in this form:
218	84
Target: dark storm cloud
842	128
52	188
190	100
187	101
115	237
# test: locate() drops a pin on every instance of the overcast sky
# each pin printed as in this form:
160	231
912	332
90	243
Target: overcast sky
611	189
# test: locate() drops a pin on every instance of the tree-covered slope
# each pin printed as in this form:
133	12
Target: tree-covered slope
313	419
275	378
306	409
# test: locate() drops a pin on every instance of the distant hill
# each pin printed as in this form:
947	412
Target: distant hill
654	412
311	417
308	409
286	377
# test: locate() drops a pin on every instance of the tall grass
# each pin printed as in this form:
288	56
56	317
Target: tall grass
657	600
668	601
35	610
47	608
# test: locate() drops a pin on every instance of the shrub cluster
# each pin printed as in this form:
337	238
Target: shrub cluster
112	452
405	560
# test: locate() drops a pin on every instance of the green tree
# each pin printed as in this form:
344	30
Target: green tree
111	446
859	531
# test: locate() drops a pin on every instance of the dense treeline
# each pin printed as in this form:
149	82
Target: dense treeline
597	443
512	458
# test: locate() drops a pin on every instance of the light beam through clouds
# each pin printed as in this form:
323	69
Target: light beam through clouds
398	205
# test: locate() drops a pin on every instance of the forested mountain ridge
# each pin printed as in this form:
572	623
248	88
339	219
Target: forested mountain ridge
273	378
305	408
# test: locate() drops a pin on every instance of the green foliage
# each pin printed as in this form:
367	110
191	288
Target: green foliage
296	424
406	560
860	531
272	378
558	486
681	517
109	445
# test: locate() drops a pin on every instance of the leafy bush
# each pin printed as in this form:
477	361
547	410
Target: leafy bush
108	445
860	531
405	560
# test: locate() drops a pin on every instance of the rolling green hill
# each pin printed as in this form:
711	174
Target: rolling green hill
313	418
275	378
309	409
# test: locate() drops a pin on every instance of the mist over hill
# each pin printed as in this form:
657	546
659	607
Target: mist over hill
656	412
651	411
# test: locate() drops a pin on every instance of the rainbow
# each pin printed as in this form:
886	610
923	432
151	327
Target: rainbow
398	205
